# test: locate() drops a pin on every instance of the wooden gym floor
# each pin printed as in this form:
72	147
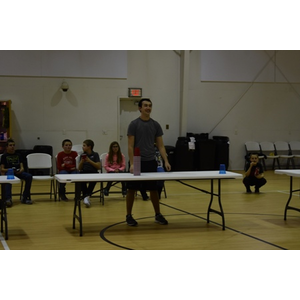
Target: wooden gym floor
252	221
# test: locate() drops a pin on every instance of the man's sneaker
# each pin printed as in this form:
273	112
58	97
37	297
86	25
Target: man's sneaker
131	221
25	200
105	192
9	203
159	218
86	201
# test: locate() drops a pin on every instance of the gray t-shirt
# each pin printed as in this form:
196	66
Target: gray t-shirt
145	133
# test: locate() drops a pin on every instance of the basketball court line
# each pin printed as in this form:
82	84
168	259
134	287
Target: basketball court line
102	232
3	242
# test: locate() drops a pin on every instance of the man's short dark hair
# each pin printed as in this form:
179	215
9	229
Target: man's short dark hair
142	100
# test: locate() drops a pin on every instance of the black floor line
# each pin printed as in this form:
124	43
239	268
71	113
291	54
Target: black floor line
232	229
102	232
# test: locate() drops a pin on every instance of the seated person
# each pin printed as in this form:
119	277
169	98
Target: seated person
89	163
114	163
12	160
254	174
66	164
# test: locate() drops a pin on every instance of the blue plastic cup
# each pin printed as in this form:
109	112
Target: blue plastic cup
10	174
160	169
222	169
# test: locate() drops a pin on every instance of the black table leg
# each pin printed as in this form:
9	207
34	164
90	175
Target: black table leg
290	198
77	204
212	194
221	212
3	212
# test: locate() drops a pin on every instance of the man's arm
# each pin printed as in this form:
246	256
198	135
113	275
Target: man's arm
162	150
131	151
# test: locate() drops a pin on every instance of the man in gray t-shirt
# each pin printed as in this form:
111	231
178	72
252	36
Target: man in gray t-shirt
143	132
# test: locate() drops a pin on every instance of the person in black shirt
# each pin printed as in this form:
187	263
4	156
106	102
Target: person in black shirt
12	160
254	174
89	163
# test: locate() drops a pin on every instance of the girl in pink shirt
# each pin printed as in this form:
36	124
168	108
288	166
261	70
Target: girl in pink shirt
114	163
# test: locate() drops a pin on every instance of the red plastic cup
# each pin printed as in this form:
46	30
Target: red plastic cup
137	151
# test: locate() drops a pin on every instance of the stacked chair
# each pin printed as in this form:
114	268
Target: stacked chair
282	149
295	151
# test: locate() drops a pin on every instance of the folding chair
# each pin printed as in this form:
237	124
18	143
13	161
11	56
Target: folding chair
268	149
40	166
77	148
295	150
283	151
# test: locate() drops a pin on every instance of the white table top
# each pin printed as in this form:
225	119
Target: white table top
3	179
65	178
295	173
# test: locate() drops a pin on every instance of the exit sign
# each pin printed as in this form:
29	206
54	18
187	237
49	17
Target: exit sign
134	92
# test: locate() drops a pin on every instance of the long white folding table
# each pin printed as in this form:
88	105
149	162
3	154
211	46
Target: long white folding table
292	174
77	179
3	181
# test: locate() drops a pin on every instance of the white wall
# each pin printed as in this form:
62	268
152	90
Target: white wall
43	114
75	63
240	110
